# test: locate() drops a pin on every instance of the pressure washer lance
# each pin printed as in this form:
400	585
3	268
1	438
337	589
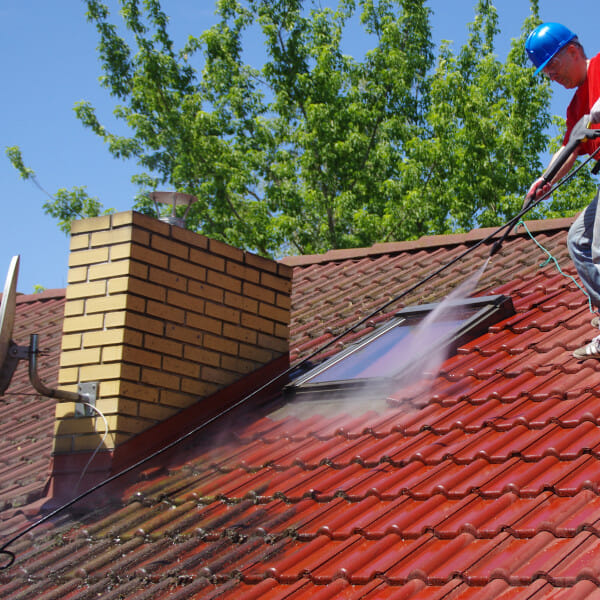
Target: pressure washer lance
580	133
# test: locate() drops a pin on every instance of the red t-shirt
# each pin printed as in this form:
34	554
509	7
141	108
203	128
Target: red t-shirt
582	102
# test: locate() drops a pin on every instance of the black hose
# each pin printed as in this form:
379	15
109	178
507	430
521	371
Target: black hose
508	226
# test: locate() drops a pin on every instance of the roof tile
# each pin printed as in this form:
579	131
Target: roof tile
478	481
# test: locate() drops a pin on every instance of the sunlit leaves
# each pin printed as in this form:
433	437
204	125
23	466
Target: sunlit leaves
319	147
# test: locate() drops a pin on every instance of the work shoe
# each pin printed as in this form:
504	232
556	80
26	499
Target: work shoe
595	322
591	350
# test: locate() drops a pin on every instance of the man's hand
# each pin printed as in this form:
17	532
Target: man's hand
539	188
595	112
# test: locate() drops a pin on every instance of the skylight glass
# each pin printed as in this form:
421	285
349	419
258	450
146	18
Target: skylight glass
414	333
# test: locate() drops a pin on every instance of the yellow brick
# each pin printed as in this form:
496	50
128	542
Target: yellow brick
239	365
74	308
285	271
257	292
220	344
205	259
165	312
111	237
273	343
242	272
204	323
258	323
241	334
183	334
162	345
79	242
64	409
185	301
139	391
120	251
117	319
80	357
112	354
167	279
169	247
100	373
205	291
222	313
152	224
105	337
118	285
86	290
259	262
91	224
176	399
282	331
202	356
67	376
139	322
258	354
160	379
223	281
85	323
88	257
127	217
278	283
109	390
189	237
116	268
138	356
132	425
180	367
71	342
150	257
187	269
274	314
77	275
198	388
283	301
136	286
156	412
246	304
111	406
113	303
218	376
223	249
73	425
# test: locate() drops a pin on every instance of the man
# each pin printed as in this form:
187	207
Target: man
556	52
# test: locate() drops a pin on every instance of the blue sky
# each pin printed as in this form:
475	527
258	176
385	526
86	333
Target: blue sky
50	63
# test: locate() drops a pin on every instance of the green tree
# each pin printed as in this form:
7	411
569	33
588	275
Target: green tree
318	149
487	125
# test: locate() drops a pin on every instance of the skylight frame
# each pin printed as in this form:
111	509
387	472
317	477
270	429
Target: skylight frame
488	310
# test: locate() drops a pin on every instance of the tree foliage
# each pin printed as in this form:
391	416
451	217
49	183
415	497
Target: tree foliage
317	149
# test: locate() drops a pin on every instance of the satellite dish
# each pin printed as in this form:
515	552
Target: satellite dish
7	320
11	354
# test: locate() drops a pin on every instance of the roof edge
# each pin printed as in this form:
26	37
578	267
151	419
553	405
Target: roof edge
52	294
427	242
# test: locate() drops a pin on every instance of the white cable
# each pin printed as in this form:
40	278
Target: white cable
97	447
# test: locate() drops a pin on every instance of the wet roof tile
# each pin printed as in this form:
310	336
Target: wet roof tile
480	481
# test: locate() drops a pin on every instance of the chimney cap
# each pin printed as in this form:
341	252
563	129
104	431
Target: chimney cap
173	199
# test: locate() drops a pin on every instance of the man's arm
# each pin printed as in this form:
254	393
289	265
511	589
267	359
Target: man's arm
541	186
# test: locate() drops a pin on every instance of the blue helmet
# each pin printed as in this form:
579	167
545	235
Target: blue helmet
545	41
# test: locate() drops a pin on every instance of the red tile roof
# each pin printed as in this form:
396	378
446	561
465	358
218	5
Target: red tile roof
482	484
27	419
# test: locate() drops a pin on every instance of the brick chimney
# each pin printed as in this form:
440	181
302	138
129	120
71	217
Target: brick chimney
163	319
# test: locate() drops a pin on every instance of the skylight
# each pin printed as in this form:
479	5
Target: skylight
412	335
